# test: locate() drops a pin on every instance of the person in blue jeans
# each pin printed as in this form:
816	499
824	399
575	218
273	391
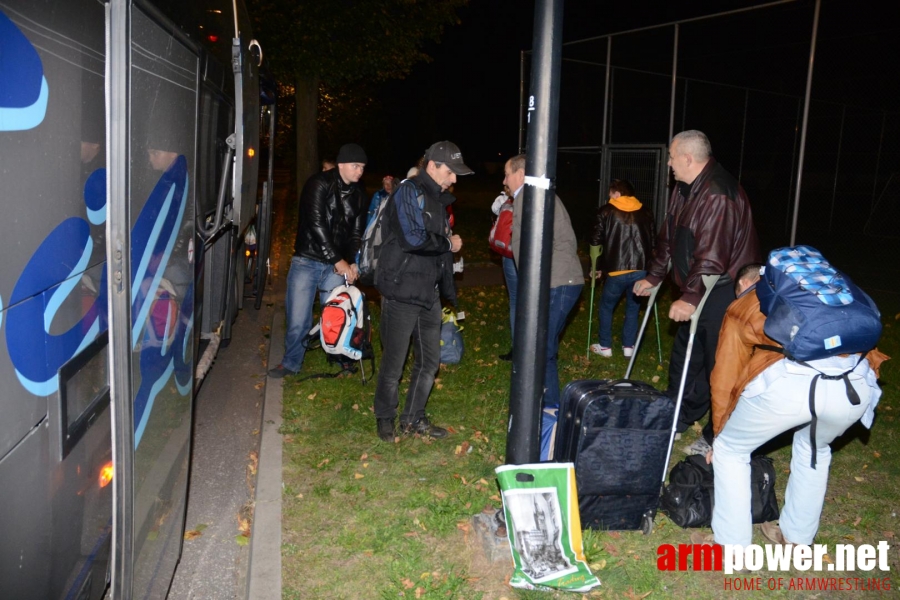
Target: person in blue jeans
625	230
566	274
329	233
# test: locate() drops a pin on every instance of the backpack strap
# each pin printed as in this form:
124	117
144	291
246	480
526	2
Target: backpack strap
851	392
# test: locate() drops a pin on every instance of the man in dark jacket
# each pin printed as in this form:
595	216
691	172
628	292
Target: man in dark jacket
625	229
708	231
414	269
329	230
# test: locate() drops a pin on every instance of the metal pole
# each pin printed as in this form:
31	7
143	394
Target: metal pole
674	84
521	102
118	252
837	168
878	163
529	351
809	75
743	134
787	215
606	88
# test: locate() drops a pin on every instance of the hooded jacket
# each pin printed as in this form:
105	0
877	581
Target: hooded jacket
332	219
415	255
625	229
708	231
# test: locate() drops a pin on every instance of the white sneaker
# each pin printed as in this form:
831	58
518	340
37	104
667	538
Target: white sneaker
598	349
628	351
700	447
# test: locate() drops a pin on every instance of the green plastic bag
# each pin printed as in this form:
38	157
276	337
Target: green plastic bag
544	527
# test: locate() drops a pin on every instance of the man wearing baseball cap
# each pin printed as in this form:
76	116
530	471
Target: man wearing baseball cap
329	231
415	269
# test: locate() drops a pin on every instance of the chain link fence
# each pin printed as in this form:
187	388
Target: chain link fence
740	78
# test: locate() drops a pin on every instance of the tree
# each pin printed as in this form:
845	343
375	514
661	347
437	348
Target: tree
322	44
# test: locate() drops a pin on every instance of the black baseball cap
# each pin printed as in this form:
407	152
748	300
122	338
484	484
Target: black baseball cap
449	154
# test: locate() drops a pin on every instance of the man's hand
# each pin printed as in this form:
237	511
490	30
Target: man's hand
642	287
342	267
709	457
354	273
598	275
455	243
681	310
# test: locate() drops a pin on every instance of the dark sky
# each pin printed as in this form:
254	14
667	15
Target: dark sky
469	93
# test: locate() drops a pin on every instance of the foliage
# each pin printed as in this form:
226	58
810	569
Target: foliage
343	41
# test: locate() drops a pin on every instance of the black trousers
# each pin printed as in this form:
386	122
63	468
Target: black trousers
696	401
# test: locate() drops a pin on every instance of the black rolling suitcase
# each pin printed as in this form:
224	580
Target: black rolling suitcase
619	435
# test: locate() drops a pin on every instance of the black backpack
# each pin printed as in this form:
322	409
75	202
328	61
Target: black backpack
688	497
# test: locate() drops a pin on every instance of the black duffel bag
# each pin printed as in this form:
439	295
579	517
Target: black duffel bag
688	497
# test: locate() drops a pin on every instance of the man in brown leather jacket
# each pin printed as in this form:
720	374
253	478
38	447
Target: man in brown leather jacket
708	231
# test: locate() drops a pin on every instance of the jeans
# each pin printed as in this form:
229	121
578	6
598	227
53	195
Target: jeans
562	299
613	288
775	401
399	322
512	283
304	279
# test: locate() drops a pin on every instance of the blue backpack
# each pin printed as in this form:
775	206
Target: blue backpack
813	309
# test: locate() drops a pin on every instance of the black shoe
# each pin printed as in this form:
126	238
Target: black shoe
281	371
386	430
507	356
424	427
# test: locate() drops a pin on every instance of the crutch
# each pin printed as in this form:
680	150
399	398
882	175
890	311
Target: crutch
595	254
710	282
658	338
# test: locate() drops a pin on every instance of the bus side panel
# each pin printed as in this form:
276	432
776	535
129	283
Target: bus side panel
164	106
52	170
24	568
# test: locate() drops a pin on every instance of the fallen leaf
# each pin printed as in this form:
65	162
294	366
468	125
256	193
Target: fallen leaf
599	565
857	521
611	549
483	481
192	534
407	583
632	596
259	385
827	559
439	386
312	396
860	479
450	429
242	540
365	465
411	534
876	454
355	407
324	462
419	592
364	456
888	535
615	535
655	379
495	498
201	526
300	495
358	476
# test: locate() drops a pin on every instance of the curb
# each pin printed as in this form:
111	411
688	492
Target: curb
265	544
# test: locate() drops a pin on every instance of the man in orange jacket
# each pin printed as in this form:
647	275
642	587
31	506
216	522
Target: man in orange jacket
758	394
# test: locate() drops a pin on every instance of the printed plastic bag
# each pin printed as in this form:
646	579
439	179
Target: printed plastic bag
544	527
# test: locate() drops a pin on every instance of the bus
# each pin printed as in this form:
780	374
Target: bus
130	135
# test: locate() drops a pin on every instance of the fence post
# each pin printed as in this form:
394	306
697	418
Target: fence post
809	75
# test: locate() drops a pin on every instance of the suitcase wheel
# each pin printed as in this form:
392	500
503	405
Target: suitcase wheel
647	524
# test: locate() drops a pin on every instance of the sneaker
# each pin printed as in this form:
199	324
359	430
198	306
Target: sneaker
386	430
424	427
604	352
628	351
281	371
772	532
701	447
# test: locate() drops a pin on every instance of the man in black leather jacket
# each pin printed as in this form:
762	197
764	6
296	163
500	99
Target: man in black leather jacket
329	231
625	229
414	270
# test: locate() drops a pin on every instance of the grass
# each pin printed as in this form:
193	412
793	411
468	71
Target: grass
368	519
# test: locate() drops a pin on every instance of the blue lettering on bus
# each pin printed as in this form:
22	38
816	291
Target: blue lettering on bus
23	87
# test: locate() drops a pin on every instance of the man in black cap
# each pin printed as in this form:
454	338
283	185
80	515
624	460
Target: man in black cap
415	268
329	231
